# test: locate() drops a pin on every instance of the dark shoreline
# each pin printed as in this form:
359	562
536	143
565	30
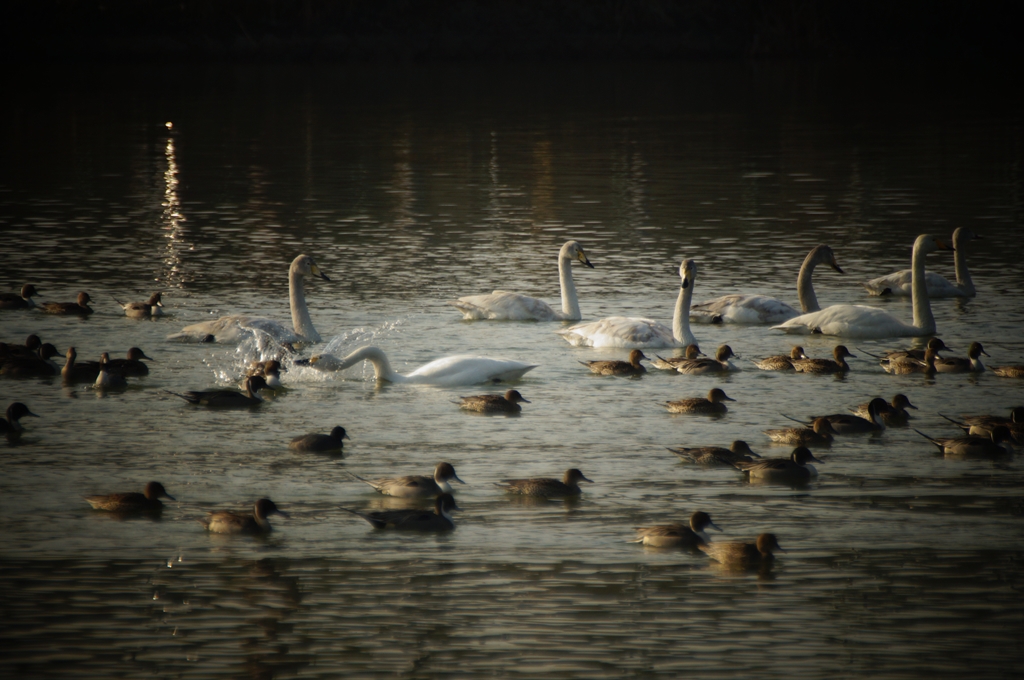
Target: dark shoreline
417	30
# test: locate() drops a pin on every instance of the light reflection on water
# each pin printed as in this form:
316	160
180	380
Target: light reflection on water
897	558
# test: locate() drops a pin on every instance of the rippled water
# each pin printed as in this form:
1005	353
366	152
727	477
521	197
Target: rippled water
412	186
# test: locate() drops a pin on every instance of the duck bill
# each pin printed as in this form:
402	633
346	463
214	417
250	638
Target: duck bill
456	478
283	513
34	415
169	496
525	401
345	436
715	527
909	405
584	479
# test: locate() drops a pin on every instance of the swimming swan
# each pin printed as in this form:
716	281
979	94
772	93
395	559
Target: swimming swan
508	306
445	372
631	332
899	283
236	327
754	309
861	321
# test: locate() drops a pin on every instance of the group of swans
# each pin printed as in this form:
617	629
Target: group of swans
901	282
854	321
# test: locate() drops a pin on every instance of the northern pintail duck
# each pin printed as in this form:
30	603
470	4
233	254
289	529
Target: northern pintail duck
107	378
720	364
781	362
737	555
38	365
11	425
225	522
546	487
132	365
677	535
494	403
711	406
983	425
818	434
717	456
414	520
148	501
907	365
19	301
691	352
997	445
895	416
836	365
143	310
270	370
227	398
1016	371
78	371
320	442
846	423
969	364
631	367
81	307
415	486
916	353
795	469
14	350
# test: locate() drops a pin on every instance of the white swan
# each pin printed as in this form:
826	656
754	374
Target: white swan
899	283
515	307
240	326
631	332
861	321
446	372
754	309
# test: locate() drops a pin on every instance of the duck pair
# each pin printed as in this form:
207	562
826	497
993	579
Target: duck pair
929	362
75	371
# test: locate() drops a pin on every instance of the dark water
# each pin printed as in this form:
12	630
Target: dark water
412	186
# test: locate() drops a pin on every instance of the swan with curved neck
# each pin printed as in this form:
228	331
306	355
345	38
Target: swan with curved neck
638	333
754	309
503	305
445	372
861	321
237	327
900	283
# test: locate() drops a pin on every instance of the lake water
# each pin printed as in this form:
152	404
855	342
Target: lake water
411	186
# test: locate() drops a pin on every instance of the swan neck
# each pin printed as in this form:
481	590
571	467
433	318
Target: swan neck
570	303
804	287
681	318
923	318
963	275
375	355
300	313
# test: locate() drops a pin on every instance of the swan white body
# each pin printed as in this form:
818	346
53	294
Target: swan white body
450	371
861	321
900	283
637	333
760	309
503	305
238	327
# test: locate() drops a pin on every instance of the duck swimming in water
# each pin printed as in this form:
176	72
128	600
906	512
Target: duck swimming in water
820	433
320	442
494	403
225	522
737	555
81	307
19	301
227	398
414	520
717	456
415	486
796	469
148	501
631	367
677	535
143	310
546	487
781	362
713	405
824	366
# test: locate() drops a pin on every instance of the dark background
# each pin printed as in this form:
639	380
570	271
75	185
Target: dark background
500	29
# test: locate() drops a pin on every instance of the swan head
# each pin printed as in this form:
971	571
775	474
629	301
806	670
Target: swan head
572	250
926	243
823	255
802	455
687	272
963	234
305	265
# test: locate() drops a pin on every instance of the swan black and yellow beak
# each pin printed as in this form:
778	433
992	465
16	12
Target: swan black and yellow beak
582	257
315	269
835	265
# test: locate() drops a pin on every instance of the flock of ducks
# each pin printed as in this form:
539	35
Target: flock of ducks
987	436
